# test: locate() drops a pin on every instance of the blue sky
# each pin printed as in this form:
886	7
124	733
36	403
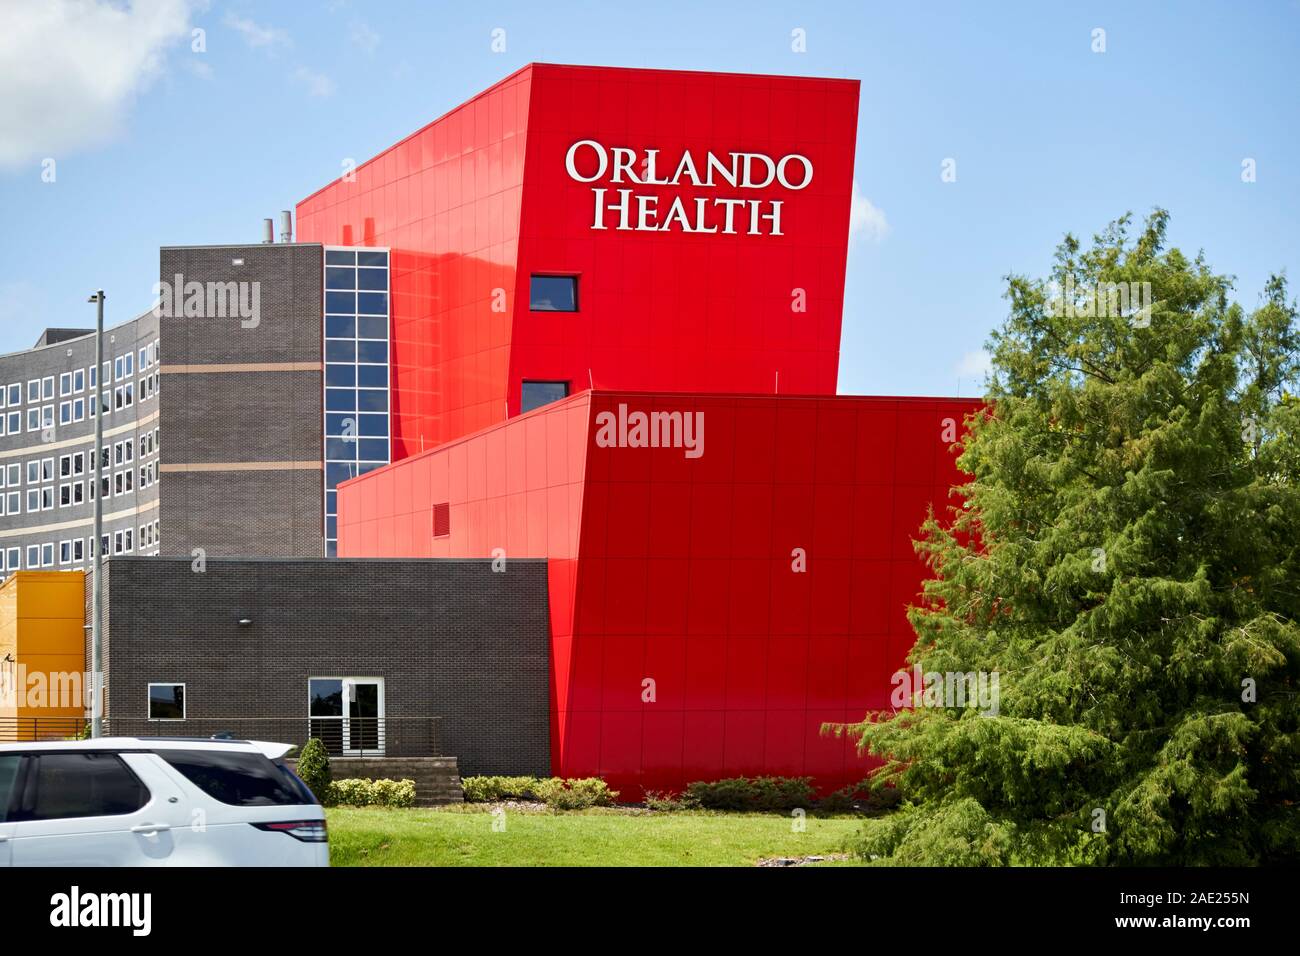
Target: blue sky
155	144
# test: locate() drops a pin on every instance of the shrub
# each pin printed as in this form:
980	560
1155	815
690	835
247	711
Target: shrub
843	800
864	797
663	801
492	789
314	768
575	794
751	793
372	793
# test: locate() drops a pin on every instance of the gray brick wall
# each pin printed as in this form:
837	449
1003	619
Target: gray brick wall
245	417
450	638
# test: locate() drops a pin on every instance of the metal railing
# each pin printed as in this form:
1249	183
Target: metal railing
342	736
27	729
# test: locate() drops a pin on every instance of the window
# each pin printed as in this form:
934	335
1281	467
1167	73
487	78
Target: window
47	469
78	550
33	556
9	764
537	394
65	466
15	503
79	463
33	419
79	380
239	779
15	394
553	293
65	413
65	552
356	370
15	475
34	390
47	555
33	499
47	388
130	359
65	384
81	784
12	562
47	416
15	422
166	701
78	409
119	367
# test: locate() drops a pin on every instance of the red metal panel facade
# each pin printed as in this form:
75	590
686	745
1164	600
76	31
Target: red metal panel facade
446	200
673	310
480	199
709	612
761	587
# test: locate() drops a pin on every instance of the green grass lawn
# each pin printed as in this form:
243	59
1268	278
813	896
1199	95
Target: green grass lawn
463	836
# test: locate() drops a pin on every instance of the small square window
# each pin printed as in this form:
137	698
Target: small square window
553	293
537	394
166	701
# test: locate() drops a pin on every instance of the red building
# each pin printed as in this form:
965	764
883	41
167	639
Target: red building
660	256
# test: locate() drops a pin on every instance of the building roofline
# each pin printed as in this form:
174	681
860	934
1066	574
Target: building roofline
587	394
241	245
64	342
529	67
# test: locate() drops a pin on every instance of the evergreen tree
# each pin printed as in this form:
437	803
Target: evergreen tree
1127	561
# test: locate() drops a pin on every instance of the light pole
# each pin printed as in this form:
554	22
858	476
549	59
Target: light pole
97	557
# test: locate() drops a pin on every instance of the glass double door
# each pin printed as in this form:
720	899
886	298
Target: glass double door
347	714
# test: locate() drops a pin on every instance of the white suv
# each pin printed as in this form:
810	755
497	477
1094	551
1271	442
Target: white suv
140	801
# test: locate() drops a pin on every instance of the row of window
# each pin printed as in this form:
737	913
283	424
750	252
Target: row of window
75	465
41	418
75	382
78	463
76	550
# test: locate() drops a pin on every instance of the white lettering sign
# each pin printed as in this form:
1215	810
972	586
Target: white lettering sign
626	209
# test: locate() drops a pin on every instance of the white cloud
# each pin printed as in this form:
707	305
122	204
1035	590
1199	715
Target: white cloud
865	219
257	35
364	38
975	364
70	69
317	84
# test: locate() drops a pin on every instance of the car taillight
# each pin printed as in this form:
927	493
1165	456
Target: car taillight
308	831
